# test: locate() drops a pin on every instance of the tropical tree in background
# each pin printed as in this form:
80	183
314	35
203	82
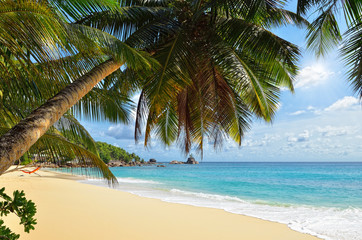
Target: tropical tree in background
44	54
324	33
220	65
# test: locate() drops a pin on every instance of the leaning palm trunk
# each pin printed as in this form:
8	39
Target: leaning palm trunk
22	136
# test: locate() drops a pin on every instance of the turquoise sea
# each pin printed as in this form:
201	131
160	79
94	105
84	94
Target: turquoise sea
323	199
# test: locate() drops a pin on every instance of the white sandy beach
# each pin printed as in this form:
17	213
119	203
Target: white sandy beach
67	209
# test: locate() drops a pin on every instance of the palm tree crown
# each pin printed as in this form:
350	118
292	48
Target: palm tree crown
220	65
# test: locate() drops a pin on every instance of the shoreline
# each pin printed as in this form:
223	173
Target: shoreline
84	211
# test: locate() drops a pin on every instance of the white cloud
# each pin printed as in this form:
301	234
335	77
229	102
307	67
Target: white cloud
271	137
311	108
292	139
314	110
253	143
305	134
121	131
330	131
312	76
297	113
265	140
302	137
345	103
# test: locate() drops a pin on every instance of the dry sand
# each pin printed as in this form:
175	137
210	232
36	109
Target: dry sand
70	210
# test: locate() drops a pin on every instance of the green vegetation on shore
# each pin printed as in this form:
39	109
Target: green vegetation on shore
108	152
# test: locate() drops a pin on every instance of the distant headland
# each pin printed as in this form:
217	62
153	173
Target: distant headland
113	156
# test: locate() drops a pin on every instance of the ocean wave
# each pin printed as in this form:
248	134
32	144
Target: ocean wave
135	180
207	195
122	180
324	222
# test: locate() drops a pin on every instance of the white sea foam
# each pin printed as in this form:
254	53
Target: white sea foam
123	180
207	196
137	181
326	223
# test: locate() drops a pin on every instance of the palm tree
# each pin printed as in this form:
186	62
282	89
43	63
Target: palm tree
220	65
324	33
46	41
67	139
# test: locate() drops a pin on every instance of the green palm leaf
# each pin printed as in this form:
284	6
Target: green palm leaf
75	9
71	129
324	32
352	54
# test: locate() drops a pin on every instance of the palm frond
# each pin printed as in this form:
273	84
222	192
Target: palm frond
263	60
244	9
262	43
71	129
33	26
324	33
118	50
352	11
75	9
352	53
304	5
102	104
123	21
277	17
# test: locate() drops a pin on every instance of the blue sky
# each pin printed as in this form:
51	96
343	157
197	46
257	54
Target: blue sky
321	121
